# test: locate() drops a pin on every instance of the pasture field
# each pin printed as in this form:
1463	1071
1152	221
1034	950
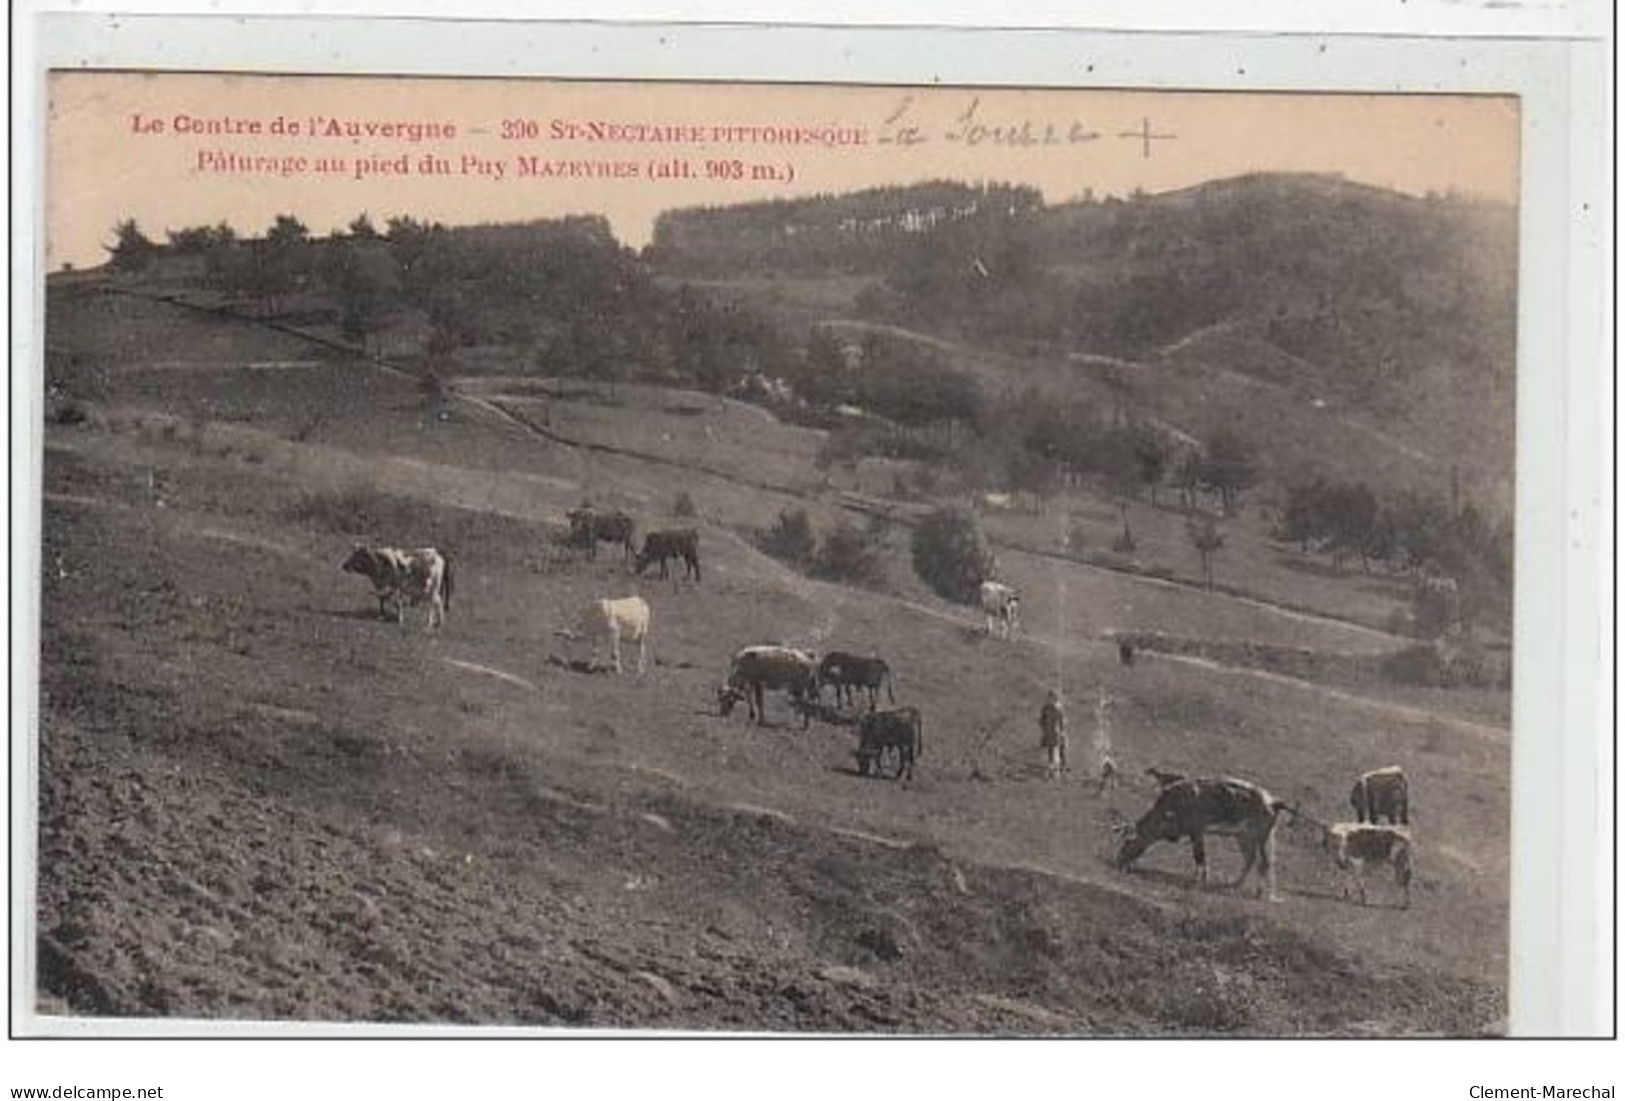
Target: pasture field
259	801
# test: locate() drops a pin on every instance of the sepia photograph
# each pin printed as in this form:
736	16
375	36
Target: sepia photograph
724	557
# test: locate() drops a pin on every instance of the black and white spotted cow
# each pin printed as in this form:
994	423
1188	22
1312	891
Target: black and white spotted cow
400	577
756	669
1199	806
1355	846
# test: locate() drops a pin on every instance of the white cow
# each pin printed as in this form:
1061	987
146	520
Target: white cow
1001	604
626	619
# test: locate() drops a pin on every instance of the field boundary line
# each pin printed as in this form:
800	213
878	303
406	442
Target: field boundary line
1418	714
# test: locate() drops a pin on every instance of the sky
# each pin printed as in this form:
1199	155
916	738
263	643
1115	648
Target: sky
173	150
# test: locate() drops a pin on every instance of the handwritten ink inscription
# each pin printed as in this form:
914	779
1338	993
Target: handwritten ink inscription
971	126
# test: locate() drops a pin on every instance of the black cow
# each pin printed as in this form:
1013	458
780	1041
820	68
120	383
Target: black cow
589	527
1199	806
847	672
898	731
658	546
1382	793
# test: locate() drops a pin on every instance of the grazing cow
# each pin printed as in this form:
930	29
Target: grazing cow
881	732
1199	806
615	621
1355	845
658	546
755	669
1125	652
589	527
1001	604
848	672
400	577
1382	793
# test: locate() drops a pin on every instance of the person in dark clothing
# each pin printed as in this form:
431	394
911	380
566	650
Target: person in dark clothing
1052	733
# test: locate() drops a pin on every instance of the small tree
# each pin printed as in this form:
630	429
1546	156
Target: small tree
951	555
790	539
436	394
1228	466
1188	477
1206	537
1032	474
1302	519
362	228
131	249
287	230
1352	517
1151	455
366	283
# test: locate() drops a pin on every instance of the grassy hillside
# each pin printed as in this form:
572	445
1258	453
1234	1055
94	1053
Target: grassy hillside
259	801
1291	296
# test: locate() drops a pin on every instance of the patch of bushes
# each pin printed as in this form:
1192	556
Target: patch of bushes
853	555
67	412
849	553
951	554
1431	665
790	539
351	510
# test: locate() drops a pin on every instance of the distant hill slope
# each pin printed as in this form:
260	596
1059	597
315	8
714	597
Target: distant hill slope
1393	310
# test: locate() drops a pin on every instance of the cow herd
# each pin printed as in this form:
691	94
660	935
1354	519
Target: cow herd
1194	807
802	676
1184	807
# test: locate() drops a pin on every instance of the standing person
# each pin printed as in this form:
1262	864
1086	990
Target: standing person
1052	733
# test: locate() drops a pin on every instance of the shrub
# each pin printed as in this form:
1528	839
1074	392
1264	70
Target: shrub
1432	665
349	510
790	539
67	412
853	554
1077	540
684	505
1436	609
951	555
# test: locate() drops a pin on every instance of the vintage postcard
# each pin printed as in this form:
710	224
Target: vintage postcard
789	558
